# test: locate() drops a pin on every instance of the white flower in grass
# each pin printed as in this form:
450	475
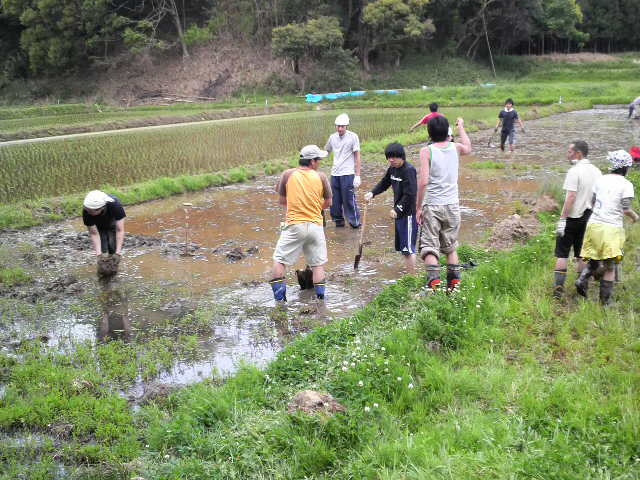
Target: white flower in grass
383	349
410	385
353	364
399	379
344	369
360	383
386	369
386	362
375	405
366	408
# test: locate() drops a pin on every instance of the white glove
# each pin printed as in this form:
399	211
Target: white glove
562	223
356	181
368	196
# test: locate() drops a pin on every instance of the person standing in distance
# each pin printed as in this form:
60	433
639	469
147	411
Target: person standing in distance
508	118
345	173
401	177
433	108
305	192
576	211
103	215
437	203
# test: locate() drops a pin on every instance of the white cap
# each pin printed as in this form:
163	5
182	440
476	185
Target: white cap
96	199
342	119
312	151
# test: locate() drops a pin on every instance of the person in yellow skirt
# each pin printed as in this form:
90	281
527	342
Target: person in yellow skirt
604	236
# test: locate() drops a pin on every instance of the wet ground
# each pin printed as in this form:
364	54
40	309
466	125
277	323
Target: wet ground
211	258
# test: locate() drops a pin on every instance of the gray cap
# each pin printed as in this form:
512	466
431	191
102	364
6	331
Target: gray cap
312	151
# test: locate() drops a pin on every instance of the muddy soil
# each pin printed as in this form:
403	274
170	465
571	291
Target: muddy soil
217	255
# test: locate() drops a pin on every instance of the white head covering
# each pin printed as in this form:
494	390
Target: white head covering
619	159
96	199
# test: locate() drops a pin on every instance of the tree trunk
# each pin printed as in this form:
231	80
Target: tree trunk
173	10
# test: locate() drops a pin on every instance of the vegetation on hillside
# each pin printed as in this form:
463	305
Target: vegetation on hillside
334	40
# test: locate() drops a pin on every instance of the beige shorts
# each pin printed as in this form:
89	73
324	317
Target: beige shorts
439	229
307	238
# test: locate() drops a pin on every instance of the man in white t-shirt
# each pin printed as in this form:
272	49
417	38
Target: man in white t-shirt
345	173
578	185
604	237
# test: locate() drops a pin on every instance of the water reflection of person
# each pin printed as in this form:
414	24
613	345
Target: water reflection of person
114	322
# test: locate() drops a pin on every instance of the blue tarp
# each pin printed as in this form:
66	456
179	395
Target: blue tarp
318	97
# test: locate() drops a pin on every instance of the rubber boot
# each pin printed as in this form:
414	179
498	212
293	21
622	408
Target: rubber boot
559	278
606	288
582	283
433	278
279	288
320	288
453	276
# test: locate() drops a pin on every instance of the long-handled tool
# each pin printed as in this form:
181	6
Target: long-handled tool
490	143
356	261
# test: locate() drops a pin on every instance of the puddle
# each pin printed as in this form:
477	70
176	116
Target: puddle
232	231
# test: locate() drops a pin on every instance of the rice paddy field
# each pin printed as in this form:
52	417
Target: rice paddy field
68	166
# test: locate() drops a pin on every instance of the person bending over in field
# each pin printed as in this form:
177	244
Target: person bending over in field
634	107
103	216
508	118
604	237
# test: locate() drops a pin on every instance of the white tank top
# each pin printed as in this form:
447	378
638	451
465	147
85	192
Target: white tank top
442	188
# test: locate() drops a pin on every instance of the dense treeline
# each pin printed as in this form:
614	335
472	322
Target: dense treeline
62	36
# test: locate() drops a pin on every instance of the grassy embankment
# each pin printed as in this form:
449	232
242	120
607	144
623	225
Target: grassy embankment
497	381
181	155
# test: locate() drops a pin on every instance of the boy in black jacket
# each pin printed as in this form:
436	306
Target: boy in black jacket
401	176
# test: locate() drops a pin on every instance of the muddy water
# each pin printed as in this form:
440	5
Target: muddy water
232	232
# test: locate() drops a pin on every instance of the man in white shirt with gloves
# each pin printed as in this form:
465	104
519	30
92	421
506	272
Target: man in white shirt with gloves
576	212
345	173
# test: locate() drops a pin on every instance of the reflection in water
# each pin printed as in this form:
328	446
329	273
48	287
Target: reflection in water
115	320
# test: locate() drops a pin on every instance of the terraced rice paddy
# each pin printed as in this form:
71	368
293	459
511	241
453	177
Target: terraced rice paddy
37	170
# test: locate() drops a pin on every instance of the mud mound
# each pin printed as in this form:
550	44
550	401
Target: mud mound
310	401
65	284
80	241
176	249
543	204
108	265
513	230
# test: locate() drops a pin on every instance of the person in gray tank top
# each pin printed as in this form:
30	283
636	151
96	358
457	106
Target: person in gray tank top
437	204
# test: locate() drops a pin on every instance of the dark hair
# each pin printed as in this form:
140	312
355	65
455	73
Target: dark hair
438	128
581	146
508	100
305	162
433	107
620	171
395	150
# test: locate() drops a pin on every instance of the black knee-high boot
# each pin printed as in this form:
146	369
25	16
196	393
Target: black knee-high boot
582	283
606	289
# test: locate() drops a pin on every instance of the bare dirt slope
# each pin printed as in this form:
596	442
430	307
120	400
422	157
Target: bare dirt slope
212	71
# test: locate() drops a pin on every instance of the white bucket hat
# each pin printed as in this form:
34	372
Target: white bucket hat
619	159
96	199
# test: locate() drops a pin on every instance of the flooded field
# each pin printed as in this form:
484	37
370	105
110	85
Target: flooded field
209	261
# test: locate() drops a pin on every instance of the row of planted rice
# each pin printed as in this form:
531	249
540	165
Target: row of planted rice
46	169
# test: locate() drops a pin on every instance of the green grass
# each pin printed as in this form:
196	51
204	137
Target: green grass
517	385
487	165
495	381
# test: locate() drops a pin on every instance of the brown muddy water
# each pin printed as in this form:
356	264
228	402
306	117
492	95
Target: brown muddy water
231	233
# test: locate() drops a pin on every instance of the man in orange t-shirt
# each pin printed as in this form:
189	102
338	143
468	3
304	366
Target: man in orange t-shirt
305	192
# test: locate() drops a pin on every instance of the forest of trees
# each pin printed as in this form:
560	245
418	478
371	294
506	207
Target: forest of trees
52	37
